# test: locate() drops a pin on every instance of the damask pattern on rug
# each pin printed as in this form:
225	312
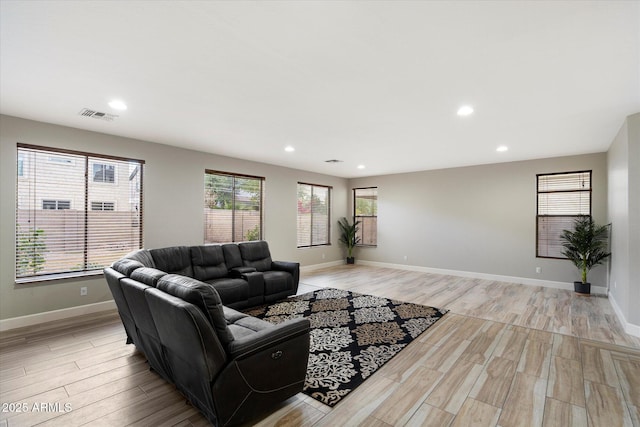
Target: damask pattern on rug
352	335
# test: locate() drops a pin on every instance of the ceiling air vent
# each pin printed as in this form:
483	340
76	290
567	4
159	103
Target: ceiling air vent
97	115
333	161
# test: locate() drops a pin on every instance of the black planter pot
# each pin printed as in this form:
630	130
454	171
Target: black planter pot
351	260
582	288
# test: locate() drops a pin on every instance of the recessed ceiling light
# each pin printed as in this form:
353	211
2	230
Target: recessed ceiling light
117	104
502	148
360	166
465	110
289	149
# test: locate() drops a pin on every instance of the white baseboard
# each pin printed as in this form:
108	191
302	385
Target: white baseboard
323	265
509	279
629	328
48	316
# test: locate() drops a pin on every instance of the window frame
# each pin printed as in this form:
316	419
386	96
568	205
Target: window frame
52	155
355	217
235	176
588	191
328	236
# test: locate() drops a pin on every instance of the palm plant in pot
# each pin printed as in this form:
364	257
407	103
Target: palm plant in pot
349	236
586	247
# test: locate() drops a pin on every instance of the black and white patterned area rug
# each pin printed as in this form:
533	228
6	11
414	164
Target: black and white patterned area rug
352	335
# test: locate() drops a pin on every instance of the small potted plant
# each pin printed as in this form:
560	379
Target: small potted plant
349	237
586	247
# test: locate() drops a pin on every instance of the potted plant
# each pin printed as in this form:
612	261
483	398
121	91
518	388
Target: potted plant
586	247
349	237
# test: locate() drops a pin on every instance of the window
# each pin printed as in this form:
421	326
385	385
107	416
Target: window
102	206
365	210
232	207
314	215
56	204
561	198
58	231
104	173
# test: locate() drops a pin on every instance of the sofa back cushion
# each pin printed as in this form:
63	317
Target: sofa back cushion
148	276
126	266
173	260
256	254
191	348
143	256
203	296
208	262
232	255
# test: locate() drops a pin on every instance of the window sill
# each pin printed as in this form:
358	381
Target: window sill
46	278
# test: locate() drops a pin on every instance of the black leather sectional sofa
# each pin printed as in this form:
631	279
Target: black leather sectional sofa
177	307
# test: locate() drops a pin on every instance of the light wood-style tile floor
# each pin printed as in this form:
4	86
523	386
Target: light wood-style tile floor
505	355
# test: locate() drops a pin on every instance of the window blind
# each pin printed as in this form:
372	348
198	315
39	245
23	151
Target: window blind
561	198
365	210
314	215
232	207
57	231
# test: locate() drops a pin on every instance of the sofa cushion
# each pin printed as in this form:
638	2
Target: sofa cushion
148	276
232	255
126	266
143	256
242	325
256	254
208	262
231	290
203	296
173	260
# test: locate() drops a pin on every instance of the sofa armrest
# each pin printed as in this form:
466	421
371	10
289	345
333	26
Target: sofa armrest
273	337
290	267
240	271
267	367
256	286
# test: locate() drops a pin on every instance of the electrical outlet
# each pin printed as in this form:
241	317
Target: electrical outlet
83	291
538	270
406	257
323	256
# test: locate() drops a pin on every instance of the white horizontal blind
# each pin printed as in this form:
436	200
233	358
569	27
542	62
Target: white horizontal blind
314	215
232	207
365	207
561	198
58	228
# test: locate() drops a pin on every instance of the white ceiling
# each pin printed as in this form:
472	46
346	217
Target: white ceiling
375	83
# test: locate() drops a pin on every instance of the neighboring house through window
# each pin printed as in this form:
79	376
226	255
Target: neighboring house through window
232	207
102	206
20	165
56	204
561	198
57	231
365	210
314	215
103	172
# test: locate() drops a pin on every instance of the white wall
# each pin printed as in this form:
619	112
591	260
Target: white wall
623	161
479	219
173	207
